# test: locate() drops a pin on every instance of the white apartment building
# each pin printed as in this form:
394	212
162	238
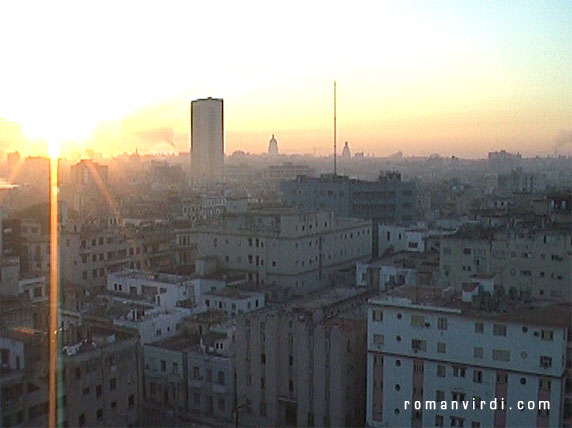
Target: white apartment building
160	289
234	301
401	238
383	276
283	247
430	346
153	323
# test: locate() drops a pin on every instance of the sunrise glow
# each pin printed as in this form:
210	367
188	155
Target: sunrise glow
413	76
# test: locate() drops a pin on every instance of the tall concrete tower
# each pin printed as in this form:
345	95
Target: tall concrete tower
207	138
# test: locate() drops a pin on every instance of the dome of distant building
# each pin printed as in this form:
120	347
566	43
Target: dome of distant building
346	154
273	146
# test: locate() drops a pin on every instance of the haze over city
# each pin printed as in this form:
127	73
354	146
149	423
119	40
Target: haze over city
455	78
286	214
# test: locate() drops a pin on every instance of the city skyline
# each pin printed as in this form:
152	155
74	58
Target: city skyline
454	79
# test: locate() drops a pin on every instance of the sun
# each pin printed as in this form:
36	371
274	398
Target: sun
54	147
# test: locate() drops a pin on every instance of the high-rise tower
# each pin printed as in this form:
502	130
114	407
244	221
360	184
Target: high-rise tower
207	138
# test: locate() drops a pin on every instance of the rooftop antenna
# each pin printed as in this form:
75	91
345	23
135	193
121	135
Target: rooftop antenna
335	131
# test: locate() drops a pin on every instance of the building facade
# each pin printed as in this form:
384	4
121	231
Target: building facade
537	262
389	200
103	378
302	363
288	248
436	349
207	138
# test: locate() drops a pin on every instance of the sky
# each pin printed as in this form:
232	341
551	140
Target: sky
450	77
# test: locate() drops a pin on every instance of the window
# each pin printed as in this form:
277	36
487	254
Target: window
547	335
441	347
439	420
442	323
377	315
263	358
459	371
163	366
457	422
441	371
417	320
220	379
501	355
81	420
499	330
113	384
545	384
196	372
131	401
98	391
378	339
545	361
221	404
99	414
479	327
477	376
446	251
467	251
85	391
478	352
440	396
419	345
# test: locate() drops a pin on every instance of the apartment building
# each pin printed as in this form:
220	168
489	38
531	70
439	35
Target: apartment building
166	372
432	346
407	238
284	247
211	380
537	262
89	252
303	363
383	276
23	379
234	301
103	377
160	289
389	200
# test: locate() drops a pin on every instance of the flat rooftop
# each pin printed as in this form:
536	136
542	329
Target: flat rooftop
233	292
324	298
166	278
536	312
177	343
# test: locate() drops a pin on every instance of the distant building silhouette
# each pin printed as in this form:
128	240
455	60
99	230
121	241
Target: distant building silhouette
346	153
273	146
207	138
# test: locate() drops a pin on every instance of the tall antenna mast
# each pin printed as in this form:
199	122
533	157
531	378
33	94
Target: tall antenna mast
335	132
